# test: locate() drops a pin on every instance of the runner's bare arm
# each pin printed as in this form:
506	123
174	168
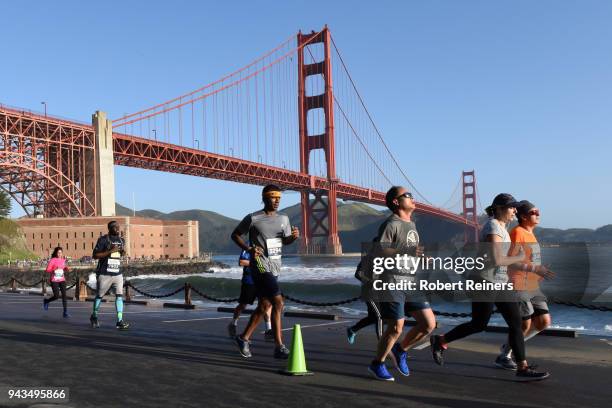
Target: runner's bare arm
499	257
237	238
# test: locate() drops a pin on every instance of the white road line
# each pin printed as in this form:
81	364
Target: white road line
195	320
144	311
22	302
316	325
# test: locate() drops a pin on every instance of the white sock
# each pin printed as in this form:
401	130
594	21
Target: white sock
531	334
235	322
507	350
268	325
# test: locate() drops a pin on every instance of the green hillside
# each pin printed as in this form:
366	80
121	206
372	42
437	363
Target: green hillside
12	242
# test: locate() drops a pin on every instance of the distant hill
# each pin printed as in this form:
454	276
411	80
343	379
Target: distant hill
554	235
357	223
214	228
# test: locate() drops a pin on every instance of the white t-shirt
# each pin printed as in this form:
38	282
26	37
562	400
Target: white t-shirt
492	273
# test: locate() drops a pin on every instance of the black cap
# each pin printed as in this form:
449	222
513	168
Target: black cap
501	200
504	200
523	207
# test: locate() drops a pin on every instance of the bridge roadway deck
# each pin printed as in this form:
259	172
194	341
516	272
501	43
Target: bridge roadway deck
179	358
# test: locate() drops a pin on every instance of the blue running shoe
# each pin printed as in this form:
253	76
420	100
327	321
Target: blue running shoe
400	360
350	336
380	372
45	305
66	315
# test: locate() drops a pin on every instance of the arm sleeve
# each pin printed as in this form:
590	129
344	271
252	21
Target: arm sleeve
244	225
244	256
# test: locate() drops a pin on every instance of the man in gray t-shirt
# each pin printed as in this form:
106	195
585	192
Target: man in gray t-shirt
398	236
268	231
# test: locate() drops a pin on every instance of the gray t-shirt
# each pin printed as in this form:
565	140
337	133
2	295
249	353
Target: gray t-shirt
266	231
403	236
492	273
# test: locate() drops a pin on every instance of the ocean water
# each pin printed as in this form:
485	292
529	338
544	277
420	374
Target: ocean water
584	274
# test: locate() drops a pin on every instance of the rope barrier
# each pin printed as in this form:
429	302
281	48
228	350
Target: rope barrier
300	301
321	304
214	299
582	306
28	285
151	295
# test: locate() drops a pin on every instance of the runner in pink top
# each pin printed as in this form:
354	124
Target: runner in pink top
57	268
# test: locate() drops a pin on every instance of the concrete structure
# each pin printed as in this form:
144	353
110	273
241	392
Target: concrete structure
105	164
144	237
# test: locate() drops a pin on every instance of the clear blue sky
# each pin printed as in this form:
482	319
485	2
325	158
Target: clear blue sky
520	91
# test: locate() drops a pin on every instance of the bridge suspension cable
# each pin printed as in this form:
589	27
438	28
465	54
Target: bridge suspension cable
373	124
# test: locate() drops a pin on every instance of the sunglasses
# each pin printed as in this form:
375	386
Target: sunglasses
406	195
534	212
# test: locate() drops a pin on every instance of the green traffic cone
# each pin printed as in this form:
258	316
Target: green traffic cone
296	365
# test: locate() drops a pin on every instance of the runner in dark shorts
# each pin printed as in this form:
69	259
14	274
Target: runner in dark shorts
268	231
248	295
398	235
373	316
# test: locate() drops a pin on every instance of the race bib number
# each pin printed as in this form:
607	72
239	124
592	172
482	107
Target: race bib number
536	257
113	265
58	273
275	248
501	274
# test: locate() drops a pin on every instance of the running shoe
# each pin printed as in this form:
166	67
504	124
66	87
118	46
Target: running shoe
45	305
505	350
94	322
380	372
437	351
66	315
281	352
400	360
122	325
530	374
269	335
231	330
350	336
243	346
505	362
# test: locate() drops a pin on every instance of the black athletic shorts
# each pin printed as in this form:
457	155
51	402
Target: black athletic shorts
266	284
248	294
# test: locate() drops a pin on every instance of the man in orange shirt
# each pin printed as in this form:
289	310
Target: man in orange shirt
526	277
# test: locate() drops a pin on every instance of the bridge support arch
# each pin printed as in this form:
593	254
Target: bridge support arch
57	168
